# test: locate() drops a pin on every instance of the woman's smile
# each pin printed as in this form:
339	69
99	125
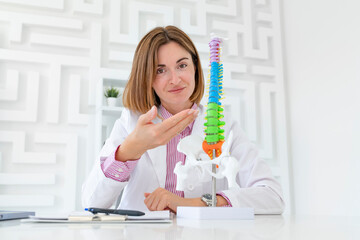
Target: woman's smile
176	90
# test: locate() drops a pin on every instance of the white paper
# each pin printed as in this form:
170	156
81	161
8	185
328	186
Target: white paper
60	216
149	217
49	217
97	222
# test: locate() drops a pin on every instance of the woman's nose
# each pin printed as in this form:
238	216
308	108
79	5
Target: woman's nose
174	77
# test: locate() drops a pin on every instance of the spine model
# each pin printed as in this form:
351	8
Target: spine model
221	162
214	134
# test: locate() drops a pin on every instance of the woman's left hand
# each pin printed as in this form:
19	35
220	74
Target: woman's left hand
162	199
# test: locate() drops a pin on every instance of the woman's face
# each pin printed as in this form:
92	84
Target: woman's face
175	77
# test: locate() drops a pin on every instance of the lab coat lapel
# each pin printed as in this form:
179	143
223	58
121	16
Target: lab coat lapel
158	158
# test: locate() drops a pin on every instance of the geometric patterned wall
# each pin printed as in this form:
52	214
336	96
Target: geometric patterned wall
56	57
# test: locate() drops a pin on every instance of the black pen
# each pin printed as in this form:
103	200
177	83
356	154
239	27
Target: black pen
115	211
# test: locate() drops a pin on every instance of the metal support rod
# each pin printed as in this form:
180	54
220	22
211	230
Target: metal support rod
213	200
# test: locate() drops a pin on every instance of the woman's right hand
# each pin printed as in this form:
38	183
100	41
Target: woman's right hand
148	135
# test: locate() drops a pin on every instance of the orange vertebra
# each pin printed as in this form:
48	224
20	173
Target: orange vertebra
208	148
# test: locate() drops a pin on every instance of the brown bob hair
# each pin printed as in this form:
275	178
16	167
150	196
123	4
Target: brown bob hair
138	94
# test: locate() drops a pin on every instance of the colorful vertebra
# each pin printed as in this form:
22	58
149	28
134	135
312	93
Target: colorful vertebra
214	134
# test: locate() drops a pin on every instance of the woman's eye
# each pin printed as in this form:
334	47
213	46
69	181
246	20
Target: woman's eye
160	70
183	65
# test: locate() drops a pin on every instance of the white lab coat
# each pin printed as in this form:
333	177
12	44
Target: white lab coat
258	188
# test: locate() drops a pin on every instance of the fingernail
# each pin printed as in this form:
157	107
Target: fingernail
152	109
191	111
196	112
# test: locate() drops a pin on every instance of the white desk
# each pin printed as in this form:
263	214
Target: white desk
263	227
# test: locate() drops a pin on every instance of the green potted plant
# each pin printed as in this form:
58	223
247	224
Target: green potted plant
111	95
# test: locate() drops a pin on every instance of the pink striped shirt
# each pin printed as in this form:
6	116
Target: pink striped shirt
172	154
120	171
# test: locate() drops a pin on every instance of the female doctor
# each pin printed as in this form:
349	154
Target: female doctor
162	105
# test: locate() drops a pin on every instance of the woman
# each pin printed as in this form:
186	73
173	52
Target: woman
162	100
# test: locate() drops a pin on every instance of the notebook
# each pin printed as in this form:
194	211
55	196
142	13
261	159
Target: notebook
88	217
8	215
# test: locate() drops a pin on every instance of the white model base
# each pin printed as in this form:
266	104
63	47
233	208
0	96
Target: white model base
215	213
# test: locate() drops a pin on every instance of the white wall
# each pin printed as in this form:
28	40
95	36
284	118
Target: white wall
322	56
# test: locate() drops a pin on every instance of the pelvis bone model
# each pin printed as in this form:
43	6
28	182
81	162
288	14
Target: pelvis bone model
197	170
